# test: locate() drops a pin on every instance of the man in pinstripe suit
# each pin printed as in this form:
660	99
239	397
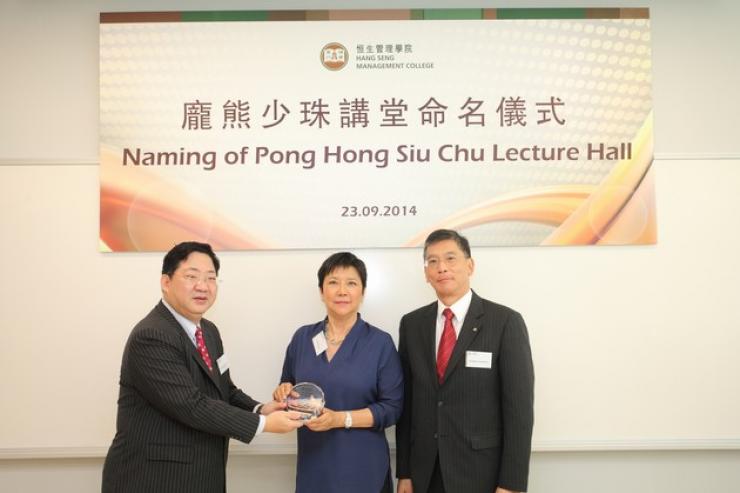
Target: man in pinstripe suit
466	425
177	406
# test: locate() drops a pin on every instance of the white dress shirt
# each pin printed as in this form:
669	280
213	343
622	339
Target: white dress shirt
459	310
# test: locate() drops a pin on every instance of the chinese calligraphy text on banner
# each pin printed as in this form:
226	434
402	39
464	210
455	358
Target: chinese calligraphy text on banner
331	129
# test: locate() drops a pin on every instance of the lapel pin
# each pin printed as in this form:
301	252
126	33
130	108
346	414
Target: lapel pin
475	329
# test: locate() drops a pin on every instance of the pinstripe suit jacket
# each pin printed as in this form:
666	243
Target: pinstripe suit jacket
175	416
479	420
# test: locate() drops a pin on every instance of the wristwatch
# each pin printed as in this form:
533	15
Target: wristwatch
347	420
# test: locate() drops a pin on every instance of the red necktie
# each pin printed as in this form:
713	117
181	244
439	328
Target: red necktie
202	349
446	344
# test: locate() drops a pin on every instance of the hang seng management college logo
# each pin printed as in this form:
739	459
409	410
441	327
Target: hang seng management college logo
334	56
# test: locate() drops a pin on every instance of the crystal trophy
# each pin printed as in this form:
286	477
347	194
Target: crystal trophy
307	398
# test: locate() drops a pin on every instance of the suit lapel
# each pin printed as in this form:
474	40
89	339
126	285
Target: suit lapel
428	339
210	340
470	329
190	348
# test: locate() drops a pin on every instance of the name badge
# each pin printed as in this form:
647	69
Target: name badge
478	359
319	343
223	364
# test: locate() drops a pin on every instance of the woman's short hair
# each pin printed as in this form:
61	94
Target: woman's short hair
342	259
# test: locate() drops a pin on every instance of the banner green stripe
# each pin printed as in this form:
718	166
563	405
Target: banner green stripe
511	14
452	14
226	15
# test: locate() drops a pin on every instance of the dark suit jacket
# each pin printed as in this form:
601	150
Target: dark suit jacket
175	416
479	420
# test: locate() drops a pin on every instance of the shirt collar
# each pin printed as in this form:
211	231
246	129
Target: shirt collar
186	324
459	308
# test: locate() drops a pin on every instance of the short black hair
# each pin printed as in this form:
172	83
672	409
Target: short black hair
447	234
182	251
342	259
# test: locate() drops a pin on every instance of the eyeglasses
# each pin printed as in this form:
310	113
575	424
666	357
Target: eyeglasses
450	260
193	279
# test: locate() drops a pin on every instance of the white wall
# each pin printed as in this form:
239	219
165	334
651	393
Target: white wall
551	472
684	335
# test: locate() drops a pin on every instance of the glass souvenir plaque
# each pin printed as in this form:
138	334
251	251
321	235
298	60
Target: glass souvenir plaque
308	398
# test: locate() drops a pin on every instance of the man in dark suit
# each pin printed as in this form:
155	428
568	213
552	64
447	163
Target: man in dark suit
177	406
466	425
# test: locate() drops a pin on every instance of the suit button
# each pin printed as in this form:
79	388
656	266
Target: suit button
439	403
435	436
